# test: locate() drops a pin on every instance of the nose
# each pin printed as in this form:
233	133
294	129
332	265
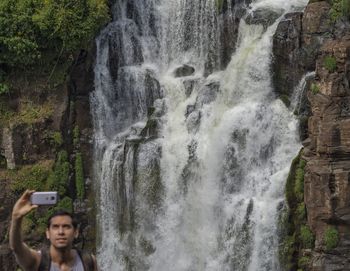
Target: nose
60	230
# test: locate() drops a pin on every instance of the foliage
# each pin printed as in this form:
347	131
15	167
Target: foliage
58	179
306	237
286	252
301	211
28	112
219	5
30	177
330	63
79	176
4	88
299	181
298	235
314	88
57	139
28	27
304	262
76	135
331	238
340	8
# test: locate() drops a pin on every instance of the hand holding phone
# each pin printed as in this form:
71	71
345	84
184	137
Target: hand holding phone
44	198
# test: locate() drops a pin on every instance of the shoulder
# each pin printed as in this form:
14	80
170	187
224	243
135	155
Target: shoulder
89	260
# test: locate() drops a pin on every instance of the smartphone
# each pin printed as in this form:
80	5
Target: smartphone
44	198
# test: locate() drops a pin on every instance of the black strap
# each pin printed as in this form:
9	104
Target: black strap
86	258
45	261
88	261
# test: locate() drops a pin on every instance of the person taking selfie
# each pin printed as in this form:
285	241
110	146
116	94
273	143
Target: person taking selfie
61	231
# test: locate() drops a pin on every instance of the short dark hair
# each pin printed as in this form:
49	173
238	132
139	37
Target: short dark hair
62	213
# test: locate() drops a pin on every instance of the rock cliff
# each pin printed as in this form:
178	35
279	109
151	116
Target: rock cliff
313	42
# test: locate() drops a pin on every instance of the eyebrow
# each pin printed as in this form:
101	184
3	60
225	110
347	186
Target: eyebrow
67	224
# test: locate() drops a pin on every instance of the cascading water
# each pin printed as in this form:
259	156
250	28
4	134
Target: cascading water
191	161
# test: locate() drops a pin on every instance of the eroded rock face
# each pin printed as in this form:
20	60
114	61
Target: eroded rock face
296	43
263	16
286	49
327	151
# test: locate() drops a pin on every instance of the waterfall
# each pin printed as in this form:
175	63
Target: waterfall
190	158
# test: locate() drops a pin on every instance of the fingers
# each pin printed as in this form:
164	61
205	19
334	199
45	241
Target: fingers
32	207
26	195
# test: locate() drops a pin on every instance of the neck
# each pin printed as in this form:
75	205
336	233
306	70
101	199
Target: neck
64	255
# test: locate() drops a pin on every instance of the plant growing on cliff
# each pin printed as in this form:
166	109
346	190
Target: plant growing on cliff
58	180
30	177
330	63
299	181
314	88
76	135
340	8
331	238
79	176
306	237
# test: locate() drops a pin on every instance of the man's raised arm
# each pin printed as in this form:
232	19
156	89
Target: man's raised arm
26	257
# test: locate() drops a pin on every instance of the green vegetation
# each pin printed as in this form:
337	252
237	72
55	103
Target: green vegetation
297	235
28	112
57	139
59	177
30	177
330	63
299	181
219	5
340	8
331	238
306	237
304	262
301	211
30	27
76	135
314	88
79	176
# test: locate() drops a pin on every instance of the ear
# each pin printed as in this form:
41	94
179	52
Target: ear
47	234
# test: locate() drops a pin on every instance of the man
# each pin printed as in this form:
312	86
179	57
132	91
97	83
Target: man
61	232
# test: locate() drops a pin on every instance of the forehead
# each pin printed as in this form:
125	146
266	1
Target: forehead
61	219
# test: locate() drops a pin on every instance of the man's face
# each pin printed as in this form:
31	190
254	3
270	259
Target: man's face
61	232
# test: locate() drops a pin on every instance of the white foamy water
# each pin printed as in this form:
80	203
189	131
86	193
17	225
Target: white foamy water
203	194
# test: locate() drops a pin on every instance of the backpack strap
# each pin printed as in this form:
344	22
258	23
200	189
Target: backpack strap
88	261
45	261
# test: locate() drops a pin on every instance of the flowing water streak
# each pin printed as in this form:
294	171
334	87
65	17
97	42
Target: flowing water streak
299	93
226	146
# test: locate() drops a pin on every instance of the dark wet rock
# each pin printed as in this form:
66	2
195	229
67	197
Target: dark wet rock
286	52
265	17
124	47
190	108
207	94
189	86
184	70
316	29
229	23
